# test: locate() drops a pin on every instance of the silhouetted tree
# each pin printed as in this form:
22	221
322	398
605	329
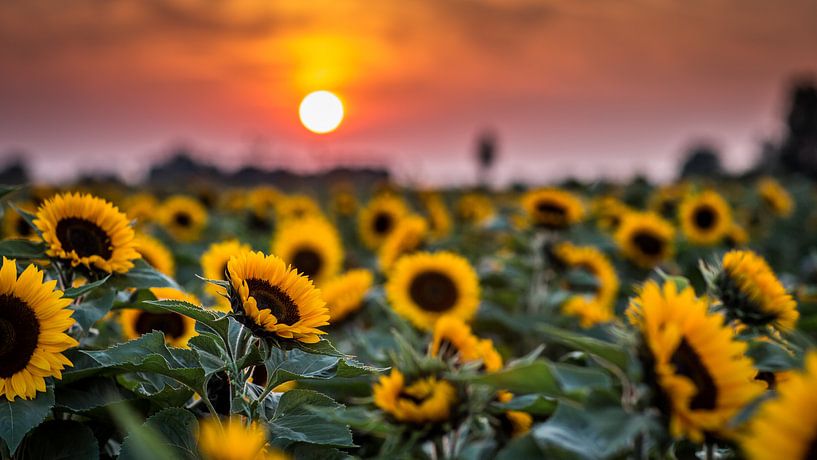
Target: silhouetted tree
15	171
486	155
799	150
702	160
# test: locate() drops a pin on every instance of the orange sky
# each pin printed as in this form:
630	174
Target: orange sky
581	87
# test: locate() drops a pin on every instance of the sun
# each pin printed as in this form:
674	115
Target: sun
321	112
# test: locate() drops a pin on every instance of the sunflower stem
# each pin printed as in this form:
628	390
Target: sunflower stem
709	451
210	407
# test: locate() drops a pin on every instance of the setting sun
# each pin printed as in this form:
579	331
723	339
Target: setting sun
321	112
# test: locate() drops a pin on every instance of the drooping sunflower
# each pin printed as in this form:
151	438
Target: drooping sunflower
786	426
14	226
408	236
645	239
700	374
475	209
553	209
178	329
520	422
214	267
425	400
156	254
775	197
311	245
751	293
183	217
295	207
705	218
439	219
594	262
379	218
424	286
273	299
232	439
33	321
86	230
140	207
452	338
344	294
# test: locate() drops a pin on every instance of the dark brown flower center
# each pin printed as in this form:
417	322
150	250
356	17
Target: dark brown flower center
307	261
22	228
172	324
272	298
84	237
648	243
688	363
705	217
551	210
182	219
433	291
383	223
19	335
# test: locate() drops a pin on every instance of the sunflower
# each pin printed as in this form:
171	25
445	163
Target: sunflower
609	211
736	236
87	230
33	318
297	207
379	218
232	439
520	422
178	329
705	218
140	207
344	200
786	426
311	245
475	209
439	219
700	373
156	254
407	237
344	294
665	200
271	298
425	400
14	226
183	217
553	209
775	197
751	292
594	262
214	267
424	286
589	311
262	201
645	239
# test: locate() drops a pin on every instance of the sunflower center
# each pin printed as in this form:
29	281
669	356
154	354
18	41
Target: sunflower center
433	291
307	261
552	210
19	335
182	219
688	363
172	324
272	298
22	228
648	243
383	222
84	237
705	217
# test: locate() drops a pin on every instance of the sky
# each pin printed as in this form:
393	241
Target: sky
585	88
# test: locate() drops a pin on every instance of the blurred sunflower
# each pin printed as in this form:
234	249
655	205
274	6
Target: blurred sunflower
295	207
608	211
214	267
452	338
271	298
520	422
344	200
594	262
645	239
379	218
786	426
183	217
86	230
408	236
311	245
439	219
233	439
751	293
344	294
736	236
178	329
425	400
424	286
156	254
664	201
705	218
14	226
775	197
553	209
696	366
234	200
140	207
33	321
262	202
475	209
589	311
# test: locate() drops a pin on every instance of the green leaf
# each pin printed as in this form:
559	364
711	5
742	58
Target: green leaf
211	355
324	347
93	307
214	321
174	428
533	404
520	448
142	276
543	377
18	417
771	357
359	418
608	351
163	392
7	189
75	292
61	440
22	249
89	394
295	364
294	419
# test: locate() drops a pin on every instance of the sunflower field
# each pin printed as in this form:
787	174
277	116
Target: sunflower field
592	321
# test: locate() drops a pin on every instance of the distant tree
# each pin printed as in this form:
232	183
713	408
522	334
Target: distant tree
799	150
486	155
14	172
701	160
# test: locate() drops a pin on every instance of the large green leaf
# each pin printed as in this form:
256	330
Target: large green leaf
142	276
75	292
89	394
7	189
93	307
544	377
294	419
22	249
19	416
608	351
60	440
296	364
174	428
214	321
